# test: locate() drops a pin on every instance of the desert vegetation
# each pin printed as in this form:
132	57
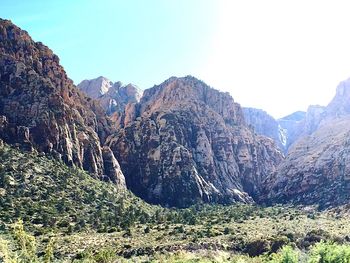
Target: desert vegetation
53	213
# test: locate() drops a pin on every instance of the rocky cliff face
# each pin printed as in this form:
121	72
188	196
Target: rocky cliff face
113	97
185	142
284	131
265	124
317	167
41	109
290	127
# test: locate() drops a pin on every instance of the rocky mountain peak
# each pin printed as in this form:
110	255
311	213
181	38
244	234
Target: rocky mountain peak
295	116
95	88
185	142
316	169
41	109
189	92
113	97
343	89
340	105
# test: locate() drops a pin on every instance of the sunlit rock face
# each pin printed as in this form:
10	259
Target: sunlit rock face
113	97
317	167
41	109
185	142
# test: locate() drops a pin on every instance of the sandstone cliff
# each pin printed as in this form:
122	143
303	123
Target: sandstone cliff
317	167
265	124
113	97
41	109
185	142
291	127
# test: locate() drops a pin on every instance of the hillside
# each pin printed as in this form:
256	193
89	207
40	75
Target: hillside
49	196
316	169
73	169
186	143
41	109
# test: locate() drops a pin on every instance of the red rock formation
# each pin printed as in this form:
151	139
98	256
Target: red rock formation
317	167
186	142
42	109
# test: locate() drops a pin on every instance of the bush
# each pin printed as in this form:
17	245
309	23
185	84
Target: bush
26	247
105	256
329	253
257	247
278	242
286	255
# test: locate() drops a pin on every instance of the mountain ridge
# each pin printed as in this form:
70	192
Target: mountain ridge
113	97
186	127
41	109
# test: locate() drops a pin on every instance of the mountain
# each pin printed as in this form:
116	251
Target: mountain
41	109
284	131
185	142
95	88
291	126
265	124
316	169
46	194
113	97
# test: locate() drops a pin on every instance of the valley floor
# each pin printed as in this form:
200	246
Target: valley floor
54	213
238	233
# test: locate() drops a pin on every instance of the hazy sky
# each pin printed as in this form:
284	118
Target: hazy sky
276	55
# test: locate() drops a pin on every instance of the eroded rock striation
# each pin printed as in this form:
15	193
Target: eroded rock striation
41	109
185	142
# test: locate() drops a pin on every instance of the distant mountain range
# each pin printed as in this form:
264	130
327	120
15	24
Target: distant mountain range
175	144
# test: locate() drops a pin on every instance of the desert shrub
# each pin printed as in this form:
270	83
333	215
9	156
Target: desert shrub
257	247
105	255
26	247
278	242
286	255
314	237
329	253
26	243
5	254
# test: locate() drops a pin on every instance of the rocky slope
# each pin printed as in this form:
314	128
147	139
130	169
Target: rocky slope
47	194
290	128
113	97
317	168
185	142
284	131
265	124
41	109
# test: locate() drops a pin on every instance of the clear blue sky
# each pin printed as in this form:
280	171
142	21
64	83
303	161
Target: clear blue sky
139	41
277	55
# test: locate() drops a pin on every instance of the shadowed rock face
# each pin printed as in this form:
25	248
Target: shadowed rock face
265	124
41	108
290	128
113	97
284	131
186	142
317	167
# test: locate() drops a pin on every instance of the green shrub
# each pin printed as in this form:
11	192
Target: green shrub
105	255
329	253
26	248
26	243
285	255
